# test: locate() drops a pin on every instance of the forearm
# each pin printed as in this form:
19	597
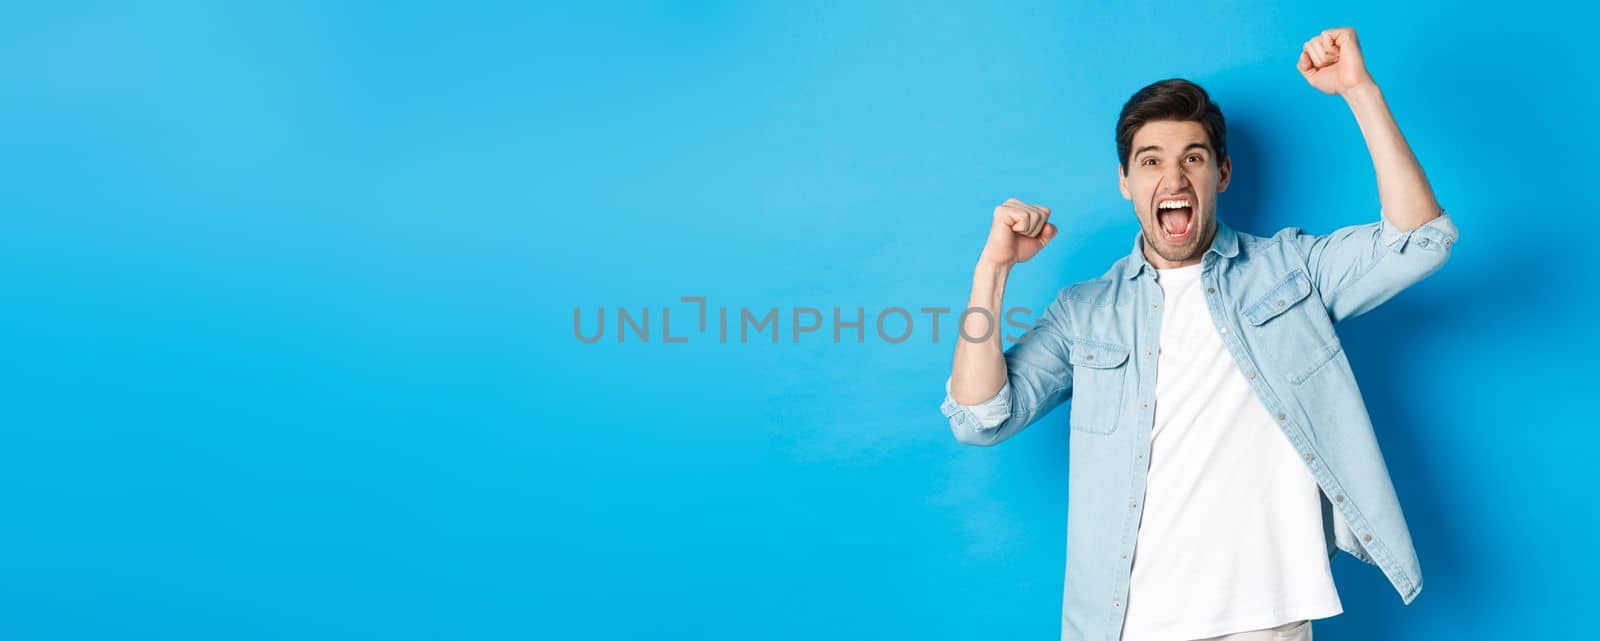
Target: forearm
1403	191
980	366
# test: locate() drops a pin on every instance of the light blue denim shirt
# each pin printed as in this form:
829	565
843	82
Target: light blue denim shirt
1274	301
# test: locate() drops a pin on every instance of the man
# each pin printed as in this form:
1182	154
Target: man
1221	454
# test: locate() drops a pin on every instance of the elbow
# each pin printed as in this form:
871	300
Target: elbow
982	425
1441	229
968	436
1419	251
969	431
1436	238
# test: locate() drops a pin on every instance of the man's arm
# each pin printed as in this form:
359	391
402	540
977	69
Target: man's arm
993	394
1332	62
1357	268
1018	232
980	367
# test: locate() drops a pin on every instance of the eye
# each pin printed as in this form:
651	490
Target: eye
1196	158
1148	162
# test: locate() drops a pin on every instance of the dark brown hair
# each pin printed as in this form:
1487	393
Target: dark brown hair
1171	99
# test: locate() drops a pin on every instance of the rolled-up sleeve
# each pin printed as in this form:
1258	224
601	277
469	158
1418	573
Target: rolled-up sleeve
1359	267
1038	378
986	415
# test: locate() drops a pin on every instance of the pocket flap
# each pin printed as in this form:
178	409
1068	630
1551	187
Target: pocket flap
1282	296
1087	353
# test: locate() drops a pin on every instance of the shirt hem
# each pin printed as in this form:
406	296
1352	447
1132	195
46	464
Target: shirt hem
1258	622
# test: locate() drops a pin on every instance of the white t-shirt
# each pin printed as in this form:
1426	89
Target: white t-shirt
1231	538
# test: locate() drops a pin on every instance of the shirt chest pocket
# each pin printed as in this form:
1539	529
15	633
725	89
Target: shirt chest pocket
1291	328
1099	375
1290	290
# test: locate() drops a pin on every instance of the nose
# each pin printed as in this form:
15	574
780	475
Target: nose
1175	178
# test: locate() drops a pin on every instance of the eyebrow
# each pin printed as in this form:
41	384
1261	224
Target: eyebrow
1158	147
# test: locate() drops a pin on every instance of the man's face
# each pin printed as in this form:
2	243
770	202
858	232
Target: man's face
1173	178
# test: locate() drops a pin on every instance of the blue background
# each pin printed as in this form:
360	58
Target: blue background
289	287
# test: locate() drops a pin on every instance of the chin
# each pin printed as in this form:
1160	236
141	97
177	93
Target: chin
1188	249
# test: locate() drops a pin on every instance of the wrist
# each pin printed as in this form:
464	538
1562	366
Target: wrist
987	268
1364	91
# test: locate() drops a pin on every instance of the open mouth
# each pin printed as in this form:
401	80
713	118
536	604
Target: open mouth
1175	216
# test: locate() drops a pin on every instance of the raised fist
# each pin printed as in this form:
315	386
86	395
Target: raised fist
1018	233
1332	61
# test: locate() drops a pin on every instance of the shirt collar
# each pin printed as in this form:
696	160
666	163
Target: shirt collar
1224	244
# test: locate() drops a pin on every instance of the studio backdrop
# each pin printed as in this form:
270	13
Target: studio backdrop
622	320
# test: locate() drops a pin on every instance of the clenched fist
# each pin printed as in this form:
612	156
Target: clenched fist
1018	233
1332	61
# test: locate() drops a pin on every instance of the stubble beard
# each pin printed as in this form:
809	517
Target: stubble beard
1196	247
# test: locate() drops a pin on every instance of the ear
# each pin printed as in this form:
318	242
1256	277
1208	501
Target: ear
1227	171
1122	182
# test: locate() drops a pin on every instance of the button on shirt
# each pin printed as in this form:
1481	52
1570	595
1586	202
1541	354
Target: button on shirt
1274	301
